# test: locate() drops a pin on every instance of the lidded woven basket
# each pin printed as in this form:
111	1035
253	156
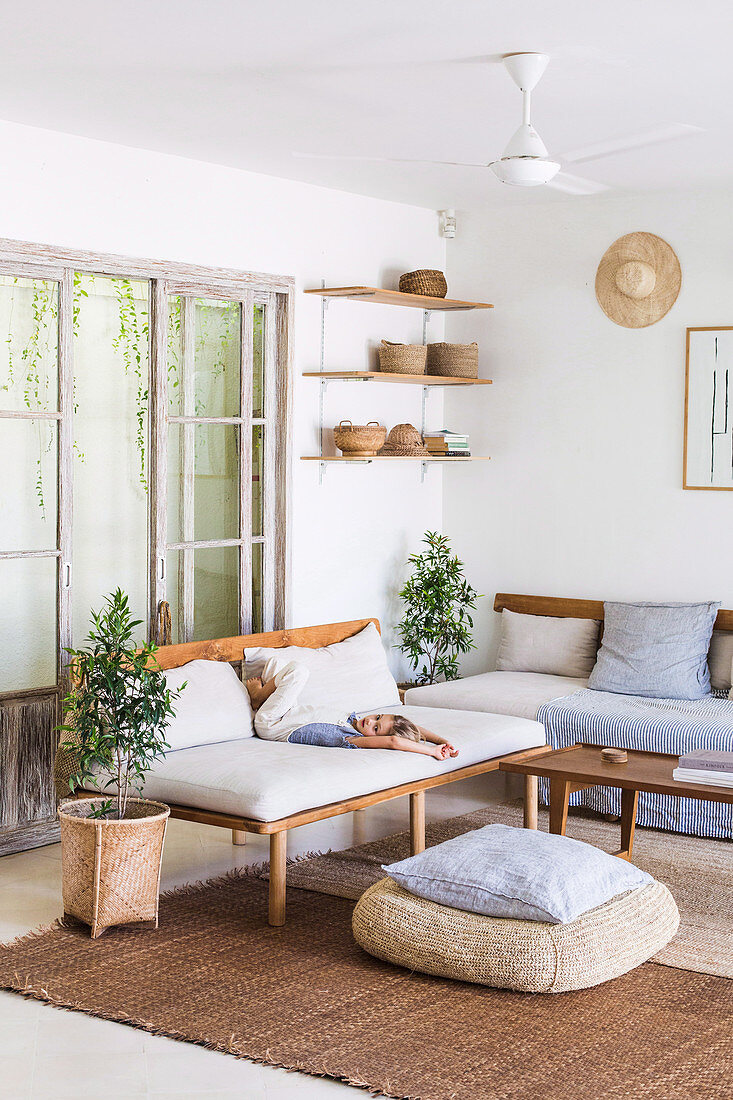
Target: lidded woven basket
359	440
453	360
110	868
405	440
402	358
425	281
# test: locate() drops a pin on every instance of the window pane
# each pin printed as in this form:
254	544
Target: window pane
215	592
257	477
175	355
203	476
111	445
258	383
257	548
28	496
28	652
216	358
28	344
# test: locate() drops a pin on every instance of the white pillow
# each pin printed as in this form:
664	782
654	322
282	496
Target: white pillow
213	706
348	675
542	643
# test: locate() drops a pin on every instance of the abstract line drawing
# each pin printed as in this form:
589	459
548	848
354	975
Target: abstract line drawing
708	439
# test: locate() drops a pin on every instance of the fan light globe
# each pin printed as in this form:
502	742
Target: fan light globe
524	171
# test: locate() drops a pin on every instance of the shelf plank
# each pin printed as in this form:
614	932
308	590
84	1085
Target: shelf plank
396	298
390	376
395	458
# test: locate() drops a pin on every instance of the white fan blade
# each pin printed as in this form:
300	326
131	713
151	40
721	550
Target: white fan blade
384	160
576	185
634	141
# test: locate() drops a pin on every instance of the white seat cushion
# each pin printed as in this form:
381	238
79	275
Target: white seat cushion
268	780
517	693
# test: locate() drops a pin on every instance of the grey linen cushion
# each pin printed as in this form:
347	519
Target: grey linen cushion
658	650
501	871
545	643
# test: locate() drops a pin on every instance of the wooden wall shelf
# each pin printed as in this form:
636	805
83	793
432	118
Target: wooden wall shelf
395	458
396	298
389	376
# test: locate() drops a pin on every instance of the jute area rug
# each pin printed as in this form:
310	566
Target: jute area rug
698	872
306	997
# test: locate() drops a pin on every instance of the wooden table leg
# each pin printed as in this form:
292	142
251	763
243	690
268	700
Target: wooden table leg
278	865
239	836
559	796
531	801
417	822
629	801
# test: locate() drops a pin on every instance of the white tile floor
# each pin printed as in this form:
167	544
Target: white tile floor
48	1052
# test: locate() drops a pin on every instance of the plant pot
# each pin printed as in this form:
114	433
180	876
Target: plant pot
111	869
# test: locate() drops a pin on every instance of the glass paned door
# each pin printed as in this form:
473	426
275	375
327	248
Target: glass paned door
210	445
35	414
111	448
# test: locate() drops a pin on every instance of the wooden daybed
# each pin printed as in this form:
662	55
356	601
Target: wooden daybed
527	734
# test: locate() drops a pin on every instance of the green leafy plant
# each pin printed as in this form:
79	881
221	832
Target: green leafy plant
437	623
118	710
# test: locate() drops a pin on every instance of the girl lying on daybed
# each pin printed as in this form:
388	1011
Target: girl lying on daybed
279	718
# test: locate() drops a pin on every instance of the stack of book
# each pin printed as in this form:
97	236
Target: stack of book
447	444
709	766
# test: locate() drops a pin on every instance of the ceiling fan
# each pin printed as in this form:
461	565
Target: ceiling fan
525	162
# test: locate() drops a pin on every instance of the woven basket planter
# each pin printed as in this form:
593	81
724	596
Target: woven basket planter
427	281
402	358
453	360
359	440
111	869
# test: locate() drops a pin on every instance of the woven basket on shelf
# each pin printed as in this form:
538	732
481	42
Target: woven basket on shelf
426	281
405	441
111	869
359	440
402	358
453	360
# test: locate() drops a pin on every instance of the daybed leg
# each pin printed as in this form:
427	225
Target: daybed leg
417	822
278	849
239	836
531	801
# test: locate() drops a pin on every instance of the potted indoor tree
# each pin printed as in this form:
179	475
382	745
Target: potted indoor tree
115	715
437	623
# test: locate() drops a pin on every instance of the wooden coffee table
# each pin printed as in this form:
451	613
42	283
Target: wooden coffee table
579	767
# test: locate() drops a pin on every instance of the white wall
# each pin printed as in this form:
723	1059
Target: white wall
584	423
350	537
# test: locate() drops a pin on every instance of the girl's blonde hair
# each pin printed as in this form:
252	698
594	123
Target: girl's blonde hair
403	727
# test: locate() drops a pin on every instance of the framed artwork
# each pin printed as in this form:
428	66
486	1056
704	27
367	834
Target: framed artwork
708	439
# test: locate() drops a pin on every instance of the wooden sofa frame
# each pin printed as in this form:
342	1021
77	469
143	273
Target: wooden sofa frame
231	650
562	608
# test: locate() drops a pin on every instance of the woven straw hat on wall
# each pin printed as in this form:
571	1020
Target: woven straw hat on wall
404	439
638	280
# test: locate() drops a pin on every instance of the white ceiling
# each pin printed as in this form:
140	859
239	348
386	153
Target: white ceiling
249	84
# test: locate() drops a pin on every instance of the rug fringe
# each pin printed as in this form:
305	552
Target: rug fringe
24	989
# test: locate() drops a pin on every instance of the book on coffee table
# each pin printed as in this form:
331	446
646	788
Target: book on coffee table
714	760
694	775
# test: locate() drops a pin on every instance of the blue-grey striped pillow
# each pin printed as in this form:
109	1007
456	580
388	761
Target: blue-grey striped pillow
658	650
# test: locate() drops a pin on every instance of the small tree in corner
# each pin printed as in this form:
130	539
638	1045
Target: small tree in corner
437	623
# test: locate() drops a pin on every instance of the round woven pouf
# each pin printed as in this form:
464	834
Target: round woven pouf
529	956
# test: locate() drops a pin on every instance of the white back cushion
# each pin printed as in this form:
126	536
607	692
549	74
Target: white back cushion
348	675
213	706
543	643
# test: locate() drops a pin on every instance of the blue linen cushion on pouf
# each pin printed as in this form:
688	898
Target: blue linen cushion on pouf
501	871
